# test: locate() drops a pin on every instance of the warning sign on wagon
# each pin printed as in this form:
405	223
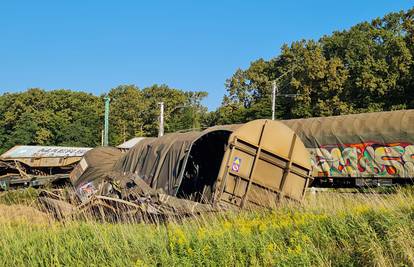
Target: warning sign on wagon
236	164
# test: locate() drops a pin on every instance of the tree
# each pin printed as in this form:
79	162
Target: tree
366	68
127	111
68	118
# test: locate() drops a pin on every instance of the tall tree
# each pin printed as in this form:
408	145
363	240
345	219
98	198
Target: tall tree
59	117
366	68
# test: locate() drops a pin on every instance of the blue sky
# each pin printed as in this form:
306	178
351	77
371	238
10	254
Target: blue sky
192	45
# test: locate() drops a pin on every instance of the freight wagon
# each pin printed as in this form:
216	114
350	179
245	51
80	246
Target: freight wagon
245	165
353	150
23	166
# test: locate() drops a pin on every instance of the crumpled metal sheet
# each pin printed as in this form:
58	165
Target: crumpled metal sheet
126	198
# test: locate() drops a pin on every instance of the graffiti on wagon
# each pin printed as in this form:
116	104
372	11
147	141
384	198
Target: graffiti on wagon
364	160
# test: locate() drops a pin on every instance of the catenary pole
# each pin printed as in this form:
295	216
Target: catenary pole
161	129
106	123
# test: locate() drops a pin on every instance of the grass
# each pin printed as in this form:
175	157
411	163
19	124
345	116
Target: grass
340	229
25	196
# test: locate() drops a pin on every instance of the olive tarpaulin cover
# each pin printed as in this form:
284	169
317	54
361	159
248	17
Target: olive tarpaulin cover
160	162
95	164
382	127
378	144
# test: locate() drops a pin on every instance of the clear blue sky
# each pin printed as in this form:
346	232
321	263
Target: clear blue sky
192	45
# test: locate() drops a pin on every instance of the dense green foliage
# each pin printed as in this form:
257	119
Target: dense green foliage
329	229
366	68
59	117
68	118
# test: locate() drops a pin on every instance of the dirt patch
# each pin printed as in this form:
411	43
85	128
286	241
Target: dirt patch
21	213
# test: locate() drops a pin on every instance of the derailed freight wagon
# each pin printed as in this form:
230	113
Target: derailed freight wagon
252	164
38	165
359	149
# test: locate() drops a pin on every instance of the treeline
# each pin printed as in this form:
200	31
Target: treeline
69	118
366	68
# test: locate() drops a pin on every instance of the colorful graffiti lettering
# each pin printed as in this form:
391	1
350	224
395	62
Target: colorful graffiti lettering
364	160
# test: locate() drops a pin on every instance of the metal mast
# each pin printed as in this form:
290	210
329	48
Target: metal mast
106	123
161	129
275	92
273	100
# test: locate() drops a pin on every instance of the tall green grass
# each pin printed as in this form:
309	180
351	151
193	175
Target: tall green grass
328	229
26	196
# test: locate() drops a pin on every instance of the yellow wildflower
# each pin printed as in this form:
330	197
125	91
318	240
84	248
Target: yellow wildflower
201	233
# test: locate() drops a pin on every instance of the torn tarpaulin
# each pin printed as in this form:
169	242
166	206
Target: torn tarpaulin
126	197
